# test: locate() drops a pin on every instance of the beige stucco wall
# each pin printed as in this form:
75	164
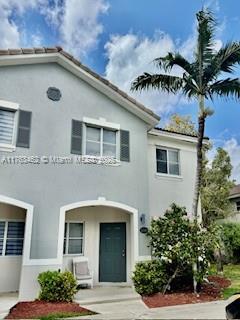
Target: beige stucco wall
92	217
165	189
10	266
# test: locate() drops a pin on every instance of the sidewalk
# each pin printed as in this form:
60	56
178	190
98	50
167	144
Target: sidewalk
7	301
137	310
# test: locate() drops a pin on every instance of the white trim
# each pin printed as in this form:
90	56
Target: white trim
28	223
7	147
166	175
9	105
175	136
144	258
101	122
14	107
82	74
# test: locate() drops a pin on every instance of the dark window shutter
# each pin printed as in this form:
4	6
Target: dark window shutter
124	145
24	129
76	141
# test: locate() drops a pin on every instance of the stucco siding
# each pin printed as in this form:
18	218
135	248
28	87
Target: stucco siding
163	189
49	186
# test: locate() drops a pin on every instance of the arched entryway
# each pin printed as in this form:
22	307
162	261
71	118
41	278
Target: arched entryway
14	241
104	231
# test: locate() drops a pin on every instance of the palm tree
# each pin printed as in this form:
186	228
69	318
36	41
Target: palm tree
201	79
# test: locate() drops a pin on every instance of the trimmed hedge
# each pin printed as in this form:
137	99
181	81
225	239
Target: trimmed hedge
57	286
149	277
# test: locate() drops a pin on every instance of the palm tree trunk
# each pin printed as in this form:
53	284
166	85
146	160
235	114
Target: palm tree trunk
201	129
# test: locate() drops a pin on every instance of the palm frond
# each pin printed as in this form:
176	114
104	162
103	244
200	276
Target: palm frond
163	82
173	59
229	88
190	89
205	41
223	61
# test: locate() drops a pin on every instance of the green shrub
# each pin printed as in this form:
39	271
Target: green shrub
177	244
231	240
57	286
149	277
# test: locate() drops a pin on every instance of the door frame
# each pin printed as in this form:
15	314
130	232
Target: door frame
126	250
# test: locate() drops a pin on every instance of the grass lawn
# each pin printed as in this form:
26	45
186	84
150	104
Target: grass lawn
232	272
64	315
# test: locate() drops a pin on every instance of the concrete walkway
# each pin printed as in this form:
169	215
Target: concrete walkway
124	303
99	295
7	301
137	310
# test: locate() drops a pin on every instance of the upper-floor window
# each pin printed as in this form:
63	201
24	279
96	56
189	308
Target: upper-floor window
15	126
100	139
238	205
11	238
6	126
73	238
100	142
168	161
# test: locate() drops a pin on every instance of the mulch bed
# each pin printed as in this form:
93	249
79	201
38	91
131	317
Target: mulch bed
210	292
37	309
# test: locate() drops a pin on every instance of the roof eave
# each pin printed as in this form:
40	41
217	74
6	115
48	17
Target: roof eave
176	136
140	111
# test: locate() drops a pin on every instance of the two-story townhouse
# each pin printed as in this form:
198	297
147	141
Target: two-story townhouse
234	199
82	169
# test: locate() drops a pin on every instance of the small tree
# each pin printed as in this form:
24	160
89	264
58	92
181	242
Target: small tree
181	124
216	186
178	242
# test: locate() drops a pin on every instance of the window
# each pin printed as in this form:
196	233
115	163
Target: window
100	142
168	161
6	126
73	238
238	205
11	238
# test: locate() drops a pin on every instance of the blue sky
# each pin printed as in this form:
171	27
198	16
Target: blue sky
119	39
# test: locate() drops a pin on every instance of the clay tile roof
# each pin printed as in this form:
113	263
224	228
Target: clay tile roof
235	190
183	134
59	50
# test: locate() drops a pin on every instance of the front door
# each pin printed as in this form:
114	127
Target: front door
112	255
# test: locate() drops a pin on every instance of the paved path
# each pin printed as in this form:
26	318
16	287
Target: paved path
124	303
137	310
7	301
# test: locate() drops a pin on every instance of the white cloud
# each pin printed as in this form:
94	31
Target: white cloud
233	148
130	55
77	22
37	39
80	26
10	33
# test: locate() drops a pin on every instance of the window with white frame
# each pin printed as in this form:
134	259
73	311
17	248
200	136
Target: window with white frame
100	142
73	238
11	238
168	161
7	126
238	205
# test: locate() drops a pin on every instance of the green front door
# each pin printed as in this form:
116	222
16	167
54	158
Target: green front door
112	255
